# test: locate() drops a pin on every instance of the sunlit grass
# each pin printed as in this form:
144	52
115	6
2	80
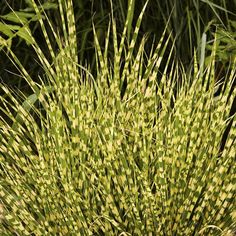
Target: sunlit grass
121	153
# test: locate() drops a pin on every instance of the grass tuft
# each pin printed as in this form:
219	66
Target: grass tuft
130	151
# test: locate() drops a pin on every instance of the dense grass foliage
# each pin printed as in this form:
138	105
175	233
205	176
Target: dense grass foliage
128	150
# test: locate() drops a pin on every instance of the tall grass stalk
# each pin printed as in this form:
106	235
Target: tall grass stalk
119	154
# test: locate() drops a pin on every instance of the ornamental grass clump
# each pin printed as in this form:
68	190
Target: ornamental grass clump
128	151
